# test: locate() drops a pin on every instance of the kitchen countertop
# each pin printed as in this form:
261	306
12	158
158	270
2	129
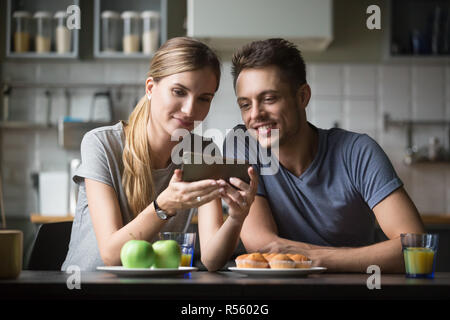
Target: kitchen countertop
428	219
221	285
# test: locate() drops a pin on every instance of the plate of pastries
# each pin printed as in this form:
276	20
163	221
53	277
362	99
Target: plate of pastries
275	264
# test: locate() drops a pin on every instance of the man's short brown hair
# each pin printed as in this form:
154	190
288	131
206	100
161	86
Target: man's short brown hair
277	52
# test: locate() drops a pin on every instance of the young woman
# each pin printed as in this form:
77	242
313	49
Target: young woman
129	187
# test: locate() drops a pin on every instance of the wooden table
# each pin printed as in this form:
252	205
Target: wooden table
225	295
221	285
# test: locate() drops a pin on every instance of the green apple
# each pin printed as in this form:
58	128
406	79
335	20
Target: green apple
137	254
167	254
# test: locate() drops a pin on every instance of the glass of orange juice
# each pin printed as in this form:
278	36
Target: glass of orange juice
419	252
186	240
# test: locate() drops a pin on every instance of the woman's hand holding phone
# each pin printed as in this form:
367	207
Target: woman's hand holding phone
180	195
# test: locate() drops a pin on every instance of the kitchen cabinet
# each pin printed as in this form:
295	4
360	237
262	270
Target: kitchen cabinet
419	28
20	15
115	11
24	35
226	25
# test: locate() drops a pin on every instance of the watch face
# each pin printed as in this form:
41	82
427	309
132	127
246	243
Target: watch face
161	214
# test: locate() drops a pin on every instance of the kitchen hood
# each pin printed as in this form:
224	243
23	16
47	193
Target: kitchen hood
229	24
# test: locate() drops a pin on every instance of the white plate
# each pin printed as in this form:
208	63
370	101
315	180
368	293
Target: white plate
297	272
145	272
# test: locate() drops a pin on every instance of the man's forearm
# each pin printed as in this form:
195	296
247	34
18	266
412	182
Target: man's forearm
387	255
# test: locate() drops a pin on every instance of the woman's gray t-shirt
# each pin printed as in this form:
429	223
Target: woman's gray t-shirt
101	160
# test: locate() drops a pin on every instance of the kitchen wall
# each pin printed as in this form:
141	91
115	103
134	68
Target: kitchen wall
353	95
351	84
26	151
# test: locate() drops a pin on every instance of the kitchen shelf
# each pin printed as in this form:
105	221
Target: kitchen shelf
410	124
32	6
73	85
120	55
414	25
388	122
34	55
121	6
20	125
403	17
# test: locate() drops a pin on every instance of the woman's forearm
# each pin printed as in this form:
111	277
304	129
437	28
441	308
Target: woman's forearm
222	244
145	226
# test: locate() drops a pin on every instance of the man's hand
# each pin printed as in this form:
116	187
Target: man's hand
281	245
240	198
320	256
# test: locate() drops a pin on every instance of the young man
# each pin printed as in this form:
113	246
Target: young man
331	185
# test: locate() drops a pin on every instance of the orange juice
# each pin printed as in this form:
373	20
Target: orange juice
418	261
185	260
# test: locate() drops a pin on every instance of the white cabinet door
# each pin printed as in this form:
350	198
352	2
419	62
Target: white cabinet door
227	23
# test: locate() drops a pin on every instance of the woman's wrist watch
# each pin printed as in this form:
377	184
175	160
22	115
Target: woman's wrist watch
163	215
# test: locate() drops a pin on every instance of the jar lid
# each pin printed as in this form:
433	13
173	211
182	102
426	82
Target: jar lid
130	15
21	14
60	14
108	14
42	14
149	14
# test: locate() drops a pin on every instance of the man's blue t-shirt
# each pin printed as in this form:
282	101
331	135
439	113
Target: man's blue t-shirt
331	202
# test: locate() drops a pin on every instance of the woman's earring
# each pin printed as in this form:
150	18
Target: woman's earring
149	96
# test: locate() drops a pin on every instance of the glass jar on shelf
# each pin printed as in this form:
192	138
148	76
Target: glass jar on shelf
22	31
150	33
130	32
111	33
43	38
63	35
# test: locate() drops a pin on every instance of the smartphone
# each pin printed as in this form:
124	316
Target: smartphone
197	166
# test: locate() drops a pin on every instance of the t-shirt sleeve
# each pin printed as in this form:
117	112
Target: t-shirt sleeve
261	186
94	161
371	170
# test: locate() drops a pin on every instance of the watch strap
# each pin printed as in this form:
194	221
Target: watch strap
160	212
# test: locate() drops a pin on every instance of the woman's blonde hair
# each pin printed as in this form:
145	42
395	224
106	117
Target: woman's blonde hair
176	55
